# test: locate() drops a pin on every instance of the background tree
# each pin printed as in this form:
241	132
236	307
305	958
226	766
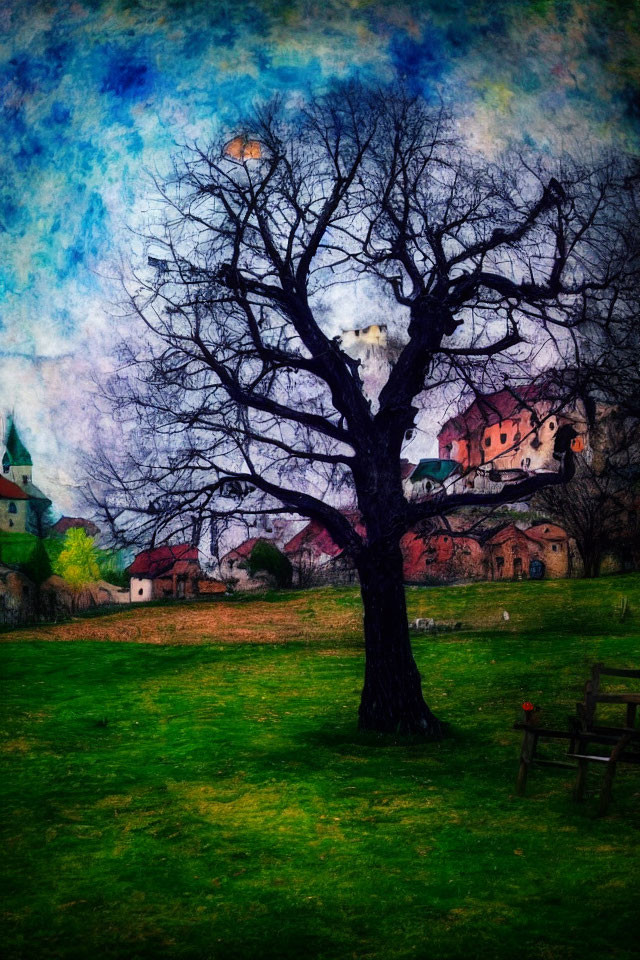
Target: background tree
367	202
77	562
266	558
38	565
599	507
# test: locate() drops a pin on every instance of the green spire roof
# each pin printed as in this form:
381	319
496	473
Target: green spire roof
16	454
437	470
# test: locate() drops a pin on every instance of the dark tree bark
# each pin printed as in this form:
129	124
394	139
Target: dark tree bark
392	700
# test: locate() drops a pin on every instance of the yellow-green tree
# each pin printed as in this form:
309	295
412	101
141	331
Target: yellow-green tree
78	560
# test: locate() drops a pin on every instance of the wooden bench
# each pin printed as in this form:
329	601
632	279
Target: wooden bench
583	731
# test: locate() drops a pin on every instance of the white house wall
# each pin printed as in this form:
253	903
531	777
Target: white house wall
141	590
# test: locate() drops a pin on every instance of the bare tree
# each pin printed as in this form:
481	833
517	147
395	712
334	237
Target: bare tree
484	271
598	508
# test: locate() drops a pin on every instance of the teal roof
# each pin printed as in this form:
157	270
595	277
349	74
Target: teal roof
436	470
16	454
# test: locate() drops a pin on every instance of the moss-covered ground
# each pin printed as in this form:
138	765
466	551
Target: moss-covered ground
214	799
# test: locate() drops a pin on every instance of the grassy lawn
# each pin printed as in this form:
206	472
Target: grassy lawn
198	795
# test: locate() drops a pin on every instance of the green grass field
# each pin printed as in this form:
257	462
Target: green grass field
215	800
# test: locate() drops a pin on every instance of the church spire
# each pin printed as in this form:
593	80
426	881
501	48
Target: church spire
16	454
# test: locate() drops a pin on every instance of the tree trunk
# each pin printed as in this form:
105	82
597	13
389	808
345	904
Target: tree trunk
392	700
591	559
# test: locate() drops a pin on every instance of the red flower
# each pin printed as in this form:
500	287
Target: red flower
527	707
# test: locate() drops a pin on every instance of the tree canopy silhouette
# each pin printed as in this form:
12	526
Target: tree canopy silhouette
234	376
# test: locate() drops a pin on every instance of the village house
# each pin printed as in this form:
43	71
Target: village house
13	507
316	559
443	556
234	565
542	550
167	571
504	436
26	513
429	478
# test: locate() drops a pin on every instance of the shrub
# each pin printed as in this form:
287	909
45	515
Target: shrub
38	566
78	561
266	558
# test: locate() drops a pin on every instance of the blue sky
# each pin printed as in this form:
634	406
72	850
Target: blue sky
96	94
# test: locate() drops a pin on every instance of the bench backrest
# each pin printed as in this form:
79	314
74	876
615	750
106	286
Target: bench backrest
593	693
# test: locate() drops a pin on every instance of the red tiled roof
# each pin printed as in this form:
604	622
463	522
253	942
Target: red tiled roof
243	549
11	491
315	538
507	533
494	407
539	532
318	540
154	563
546	531
68	523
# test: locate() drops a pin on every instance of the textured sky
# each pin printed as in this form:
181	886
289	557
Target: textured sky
96	94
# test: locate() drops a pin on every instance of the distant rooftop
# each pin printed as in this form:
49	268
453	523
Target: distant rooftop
434	469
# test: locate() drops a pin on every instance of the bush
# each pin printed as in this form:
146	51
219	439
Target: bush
266	558
111	567
38	566
77	562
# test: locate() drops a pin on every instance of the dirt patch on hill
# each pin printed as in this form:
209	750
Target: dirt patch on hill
255	622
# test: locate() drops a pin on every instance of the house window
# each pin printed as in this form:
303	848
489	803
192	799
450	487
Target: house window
408	435
525	463
13	508
503	438
10	523
487	441
552	425
554	547
140	592
25	479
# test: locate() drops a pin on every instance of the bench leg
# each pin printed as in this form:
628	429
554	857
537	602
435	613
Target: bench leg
521	782
527	753
607	787
581	781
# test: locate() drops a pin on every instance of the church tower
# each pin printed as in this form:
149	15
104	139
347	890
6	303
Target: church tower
17	465
376	352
